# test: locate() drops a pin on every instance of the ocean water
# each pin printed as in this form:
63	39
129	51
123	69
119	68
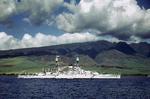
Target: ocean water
125	88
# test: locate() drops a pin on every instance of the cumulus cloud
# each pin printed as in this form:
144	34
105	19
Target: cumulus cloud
37	10
9	42
119	18
40	39
7	8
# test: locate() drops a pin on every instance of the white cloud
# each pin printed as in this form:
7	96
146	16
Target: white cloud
10	42
7	41
38	10
40	39
7	8
134	39
108	38
113	17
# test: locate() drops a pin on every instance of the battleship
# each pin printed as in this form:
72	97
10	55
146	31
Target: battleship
69	72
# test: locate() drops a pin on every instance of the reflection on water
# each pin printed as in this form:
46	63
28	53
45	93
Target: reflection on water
127	88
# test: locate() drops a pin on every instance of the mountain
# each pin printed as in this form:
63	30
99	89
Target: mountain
141	48
88	48
117	59
91	53
125	48
111	58
96	54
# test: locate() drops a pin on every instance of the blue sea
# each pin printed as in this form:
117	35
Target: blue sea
125	88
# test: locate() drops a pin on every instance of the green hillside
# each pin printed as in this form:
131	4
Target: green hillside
33	64
21	65
127	66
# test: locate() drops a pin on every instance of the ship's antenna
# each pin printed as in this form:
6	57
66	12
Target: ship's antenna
57	62
77	61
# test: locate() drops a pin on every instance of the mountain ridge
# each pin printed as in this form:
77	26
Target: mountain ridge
88	48
98	55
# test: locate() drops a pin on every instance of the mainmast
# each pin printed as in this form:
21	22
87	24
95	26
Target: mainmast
57	62
77	61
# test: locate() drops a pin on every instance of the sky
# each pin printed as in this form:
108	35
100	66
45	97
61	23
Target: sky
36	23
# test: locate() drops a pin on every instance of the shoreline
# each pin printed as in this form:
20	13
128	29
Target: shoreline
71	73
